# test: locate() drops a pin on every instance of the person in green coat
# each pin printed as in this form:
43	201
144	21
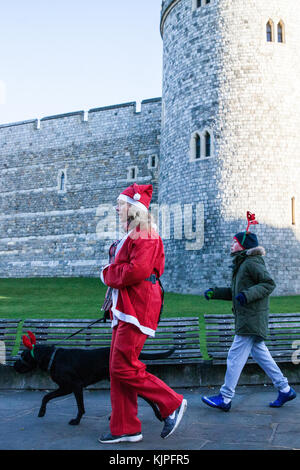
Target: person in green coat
250	289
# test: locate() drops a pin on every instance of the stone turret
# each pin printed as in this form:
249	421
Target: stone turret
230	134
224	139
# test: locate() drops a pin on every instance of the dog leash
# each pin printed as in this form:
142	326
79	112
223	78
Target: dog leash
152	279
103	319
51	359
100	320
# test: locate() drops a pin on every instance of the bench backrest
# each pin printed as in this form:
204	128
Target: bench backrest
284	335
219	331
181	333
284	332
8	333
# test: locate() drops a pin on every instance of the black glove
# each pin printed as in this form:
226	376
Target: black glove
241	298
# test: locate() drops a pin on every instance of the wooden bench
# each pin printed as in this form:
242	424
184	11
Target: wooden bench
181	333
284	332
8	334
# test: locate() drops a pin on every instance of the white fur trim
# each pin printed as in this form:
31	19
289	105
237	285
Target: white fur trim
119	246
128	199
117	315
101	273
257	250
121	242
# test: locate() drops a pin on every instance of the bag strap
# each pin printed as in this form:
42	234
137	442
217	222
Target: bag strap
153	279
162	300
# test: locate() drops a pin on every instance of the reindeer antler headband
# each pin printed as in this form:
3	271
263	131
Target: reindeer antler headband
251	221
29	342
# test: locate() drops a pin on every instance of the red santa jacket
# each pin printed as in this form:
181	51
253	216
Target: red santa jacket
136	300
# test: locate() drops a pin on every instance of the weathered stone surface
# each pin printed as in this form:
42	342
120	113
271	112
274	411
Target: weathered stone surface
48	232
220	75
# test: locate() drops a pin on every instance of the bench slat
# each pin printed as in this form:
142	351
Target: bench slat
284	329
179	332
8	333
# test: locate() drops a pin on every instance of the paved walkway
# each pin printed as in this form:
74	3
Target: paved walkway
250	425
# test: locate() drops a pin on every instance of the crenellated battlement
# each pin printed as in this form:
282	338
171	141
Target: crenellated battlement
130	108
107	123
55	172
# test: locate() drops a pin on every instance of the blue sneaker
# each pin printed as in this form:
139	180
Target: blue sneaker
217	401
283	398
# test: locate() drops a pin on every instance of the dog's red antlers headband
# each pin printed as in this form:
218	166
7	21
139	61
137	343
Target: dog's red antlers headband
29	343
32	337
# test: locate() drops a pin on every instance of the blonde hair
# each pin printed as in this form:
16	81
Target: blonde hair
144	219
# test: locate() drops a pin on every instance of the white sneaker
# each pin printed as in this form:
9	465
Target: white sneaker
110	439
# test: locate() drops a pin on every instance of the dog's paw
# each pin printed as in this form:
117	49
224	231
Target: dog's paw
74	422
41	413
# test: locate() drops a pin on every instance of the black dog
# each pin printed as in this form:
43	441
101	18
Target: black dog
72	370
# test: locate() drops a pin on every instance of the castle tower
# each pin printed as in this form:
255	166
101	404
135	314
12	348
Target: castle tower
230	138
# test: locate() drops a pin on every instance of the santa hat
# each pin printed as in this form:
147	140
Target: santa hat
138	195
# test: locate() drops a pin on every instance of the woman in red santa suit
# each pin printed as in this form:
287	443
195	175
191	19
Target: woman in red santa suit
136	299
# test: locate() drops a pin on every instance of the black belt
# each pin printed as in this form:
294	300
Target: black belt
152	278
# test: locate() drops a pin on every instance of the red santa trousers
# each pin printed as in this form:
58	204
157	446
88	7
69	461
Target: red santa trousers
129	379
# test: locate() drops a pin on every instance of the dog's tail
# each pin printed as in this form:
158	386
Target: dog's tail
157	355
154	407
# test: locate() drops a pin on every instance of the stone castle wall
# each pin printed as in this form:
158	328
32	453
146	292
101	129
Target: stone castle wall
220	78
48	232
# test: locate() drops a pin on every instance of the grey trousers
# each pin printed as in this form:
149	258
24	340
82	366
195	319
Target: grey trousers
238	354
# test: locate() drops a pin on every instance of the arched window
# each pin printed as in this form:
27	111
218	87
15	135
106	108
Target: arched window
152	161
200	3
132	173
207	144
197	146
201	144
62	181
270	31
280	31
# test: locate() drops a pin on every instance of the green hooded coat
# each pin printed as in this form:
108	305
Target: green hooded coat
251	277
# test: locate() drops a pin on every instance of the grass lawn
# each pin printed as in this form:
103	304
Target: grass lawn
82	298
